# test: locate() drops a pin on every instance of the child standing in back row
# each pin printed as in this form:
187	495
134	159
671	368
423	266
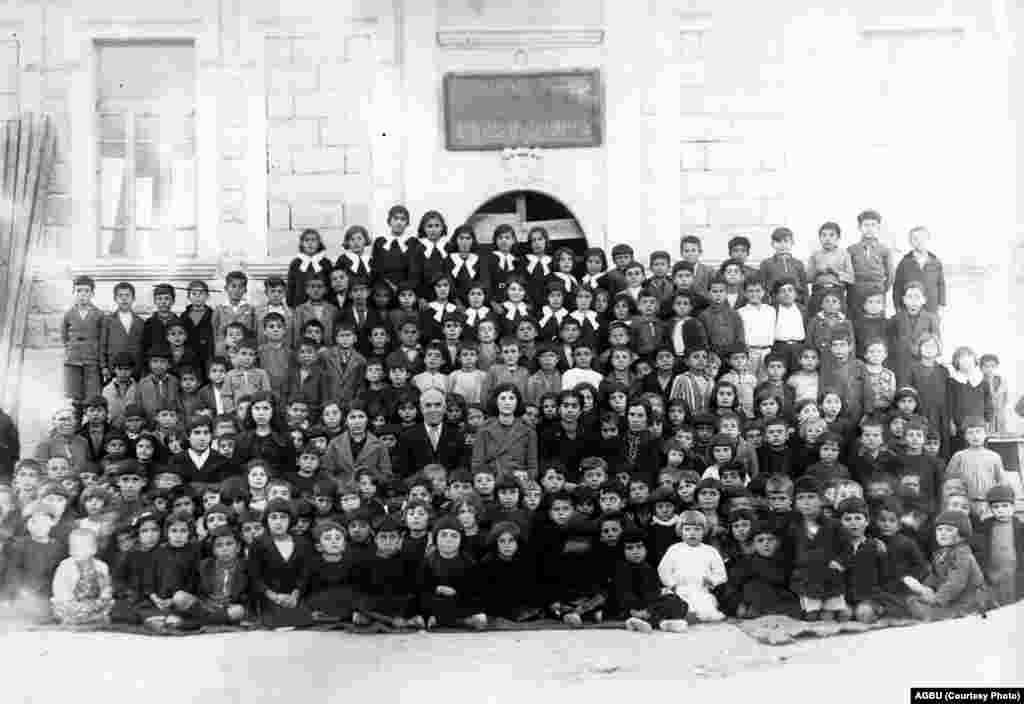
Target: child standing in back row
978	467
872	262
830	269
235	310
80	333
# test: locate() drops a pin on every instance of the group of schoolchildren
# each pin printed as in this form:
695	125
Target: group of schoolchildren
422	433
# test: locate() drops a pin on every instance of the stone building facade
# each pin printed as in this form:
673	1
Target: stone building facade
719	117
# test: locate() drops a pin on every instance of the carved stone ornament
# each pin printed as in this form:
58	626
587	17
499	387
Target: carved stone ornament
523	165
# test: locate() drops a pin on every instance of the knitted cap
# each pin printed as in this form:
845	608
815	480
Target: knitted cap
219	508
223	532
1001	493
447	523
507	482
709	483
958	519
693	518
764	528
663	494
280	506
388	525
806	485
632	534
853	504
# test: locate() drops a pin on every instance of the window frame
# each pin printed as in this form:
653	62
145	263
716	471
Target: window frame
130	141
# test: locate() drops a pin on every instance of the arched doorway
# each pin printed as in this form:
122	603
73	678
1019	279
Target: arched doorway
524	210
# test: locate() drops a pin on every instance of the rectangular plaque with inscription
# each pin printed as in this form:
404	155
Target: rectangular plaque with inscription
553	109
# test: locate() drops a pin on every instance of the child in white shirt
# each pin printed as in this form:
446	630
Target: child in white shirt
692	569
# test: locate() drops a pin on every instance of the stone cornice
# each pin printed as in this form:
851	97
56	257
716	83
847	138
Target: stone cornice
499	38
912	29
694	22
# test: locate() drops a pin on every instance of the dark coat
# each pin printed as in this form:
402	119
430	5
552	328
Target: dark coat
763	584
314	387
213	471
136	576
457	572
554	444
903	558
414	450
810	557
114	340
386	584
330	587
200	336
634	586
154	332
269	570
981	543
931	275
863	466
865	571
273	448
568	565
296	282
30	565
507	587
177	569
81	336
340	464
238	587
10	445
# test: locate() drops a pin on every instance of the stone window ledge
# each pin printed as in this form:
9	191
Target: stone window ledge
204	269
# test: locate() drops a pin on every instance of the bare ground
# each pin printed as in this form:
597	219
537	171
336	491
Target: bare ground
595	666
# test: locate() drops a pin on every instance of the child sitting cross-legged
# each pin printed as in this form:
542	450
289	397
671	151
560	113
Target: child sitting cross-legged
568	564
279	567
638	592
863	561
386	583
223	587
447	596
761	579
692	569
331	594
82	590
956	586
813	543
507	576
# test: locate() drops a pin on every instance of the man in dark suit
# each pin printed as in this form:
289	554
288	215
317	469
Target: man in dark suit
430	442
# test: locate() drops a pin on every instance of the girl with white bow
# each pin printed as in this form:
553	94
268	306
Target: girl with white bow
502	263
465	265
432	316
539	264
513	307
356	257
565	262
391	253
311	261
430	258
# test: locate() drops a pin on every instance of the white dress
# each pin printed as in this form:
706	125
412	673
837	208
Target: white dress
684	569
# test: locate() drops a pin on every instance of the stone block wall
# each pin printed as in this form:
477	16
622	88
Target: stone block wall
319	102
